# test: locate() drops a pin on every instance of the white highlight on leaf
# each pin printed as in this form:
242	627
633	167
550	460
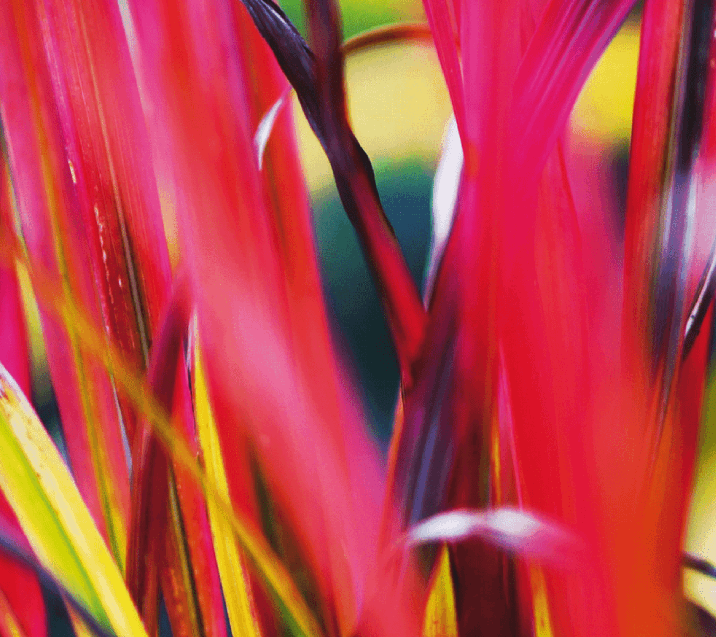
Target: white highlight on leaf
515	524
445	189
446	527
263	132
507	527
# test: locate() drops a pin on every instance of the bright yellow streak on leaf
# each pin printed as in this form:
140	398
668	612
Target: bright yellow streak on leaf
701	529
53	516
495	456
9	624
540	605
440	615
233	574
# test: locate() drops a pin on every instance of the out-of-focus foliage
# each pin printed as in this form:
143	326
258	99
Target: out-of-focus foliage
209	325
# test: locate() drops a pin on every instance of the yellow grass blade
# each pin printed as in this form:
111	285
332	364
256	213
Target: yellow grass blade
54	517
233	574
440	614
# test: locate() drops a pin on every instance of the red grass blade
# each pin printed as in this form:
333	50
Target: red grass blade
204	589
568	40
90	214
664	260
285	195
257	389
107	151
146	552
443	18
494	304
21	96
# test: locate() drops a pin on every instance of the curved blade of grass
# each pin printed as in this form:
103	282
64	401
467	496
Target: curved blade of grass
321	96
234	576
168	517
444	204
387	34
263	132
699	565
509	528
440	613
54	518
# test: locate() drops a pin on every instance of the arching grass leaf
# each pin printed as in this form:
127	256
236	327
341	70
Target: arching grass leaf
509	528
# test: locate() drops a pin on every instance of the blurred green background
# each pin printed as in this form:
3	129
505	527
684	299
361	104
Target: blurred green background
359	15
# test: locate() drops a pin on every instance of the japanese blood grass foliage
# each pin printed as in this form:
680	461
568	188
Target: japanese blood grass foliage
551	383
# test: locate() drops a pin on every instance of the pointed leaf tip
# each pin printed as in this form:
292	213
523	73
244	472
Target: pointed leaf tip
445	192
440	612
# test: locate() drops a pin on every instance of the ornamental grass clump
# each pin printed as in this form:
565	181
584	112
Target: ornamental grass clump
551	378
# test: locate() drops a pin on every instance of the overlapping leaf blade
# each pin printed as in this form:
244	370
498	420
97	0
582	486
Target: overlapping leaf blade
23	606
234	575
55	520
